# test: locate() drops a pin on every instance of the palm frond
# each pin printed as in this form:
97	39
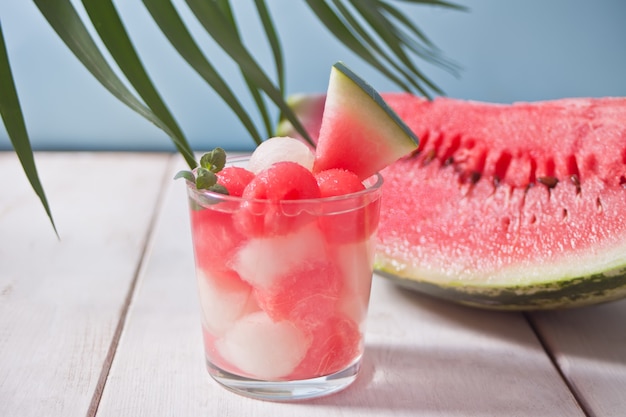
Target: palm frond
173	27
13	119
109	26
66	22
376	31
216	23
255	92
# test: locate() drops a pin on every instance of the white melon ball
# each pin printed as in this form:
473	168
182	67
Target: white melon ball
278	149
224	302
262	261
262	348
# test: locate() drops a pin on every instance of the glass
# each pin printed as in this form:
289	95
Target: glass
284	289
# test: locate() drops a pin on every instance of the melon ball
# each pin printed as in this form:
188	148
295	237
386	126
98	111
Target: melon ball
262	348
337	181
335	344
224	299
263	261
282	181
278	149
234	179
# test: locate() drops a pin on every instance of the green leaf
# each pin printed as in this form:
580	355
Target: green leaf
109	26
218	188
13	120
68	25
429	52
205	178
173	27
255	91
188	175
440	3
216	24
393	39
392	42
214	160
274	41
343	33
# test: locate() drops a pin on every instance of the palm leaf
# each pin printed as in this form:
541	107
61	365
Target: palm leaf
108	24
13	119
171	24
393	38
216	24
343	33
274	41
374	30
255	91
429	51
375	46
66	22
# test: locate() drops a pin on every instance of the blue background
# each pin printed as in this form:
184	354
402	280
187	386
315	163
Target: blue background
508	50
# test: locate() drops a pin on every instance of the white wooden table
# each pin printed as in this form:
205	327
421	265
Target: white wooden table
104	322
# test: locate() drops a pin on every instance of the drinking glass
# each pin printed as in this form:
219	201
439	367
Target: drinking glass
284	288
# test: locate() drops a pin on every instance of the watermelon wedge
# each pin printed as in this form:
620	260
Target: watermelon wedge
359	132
517	207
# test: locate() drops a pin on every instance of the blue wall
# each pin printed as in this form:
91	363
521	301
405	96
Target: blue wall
509	51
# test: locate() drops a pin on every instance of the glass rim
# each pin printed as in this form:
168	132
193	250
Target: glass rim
372	184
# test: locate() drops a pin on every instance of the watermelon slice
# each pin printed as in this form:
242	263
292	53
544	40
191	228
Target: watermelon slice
517	207
359	131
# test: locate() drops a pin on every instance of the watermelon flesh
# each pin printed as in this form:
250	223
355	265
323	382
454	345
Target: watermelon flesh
518	206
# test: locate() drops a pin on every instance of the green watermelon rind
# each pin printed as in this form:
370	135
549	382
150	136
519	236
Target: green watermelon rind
601	287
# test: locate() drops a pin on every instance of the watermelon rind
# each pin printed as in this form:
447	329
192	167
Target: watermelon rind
574	292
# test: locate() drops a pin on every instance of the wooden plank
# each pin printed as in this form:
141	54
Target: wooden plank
61	300
589	346
423	357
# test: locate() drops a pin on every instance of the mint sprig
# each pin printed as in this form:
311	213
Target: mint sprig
204	177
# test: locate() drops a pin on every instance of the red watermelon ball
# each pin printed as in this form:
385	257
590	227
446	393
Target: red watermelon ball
335	345
306	295
354	225
234	179
215	238
337	181
282	181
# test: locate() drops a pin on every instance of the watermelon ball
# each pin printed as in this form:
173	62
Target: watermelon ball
224	298
335	345
347	227
307	295
263	261
213	355
234	179
337	181
215	238
279	149
282	181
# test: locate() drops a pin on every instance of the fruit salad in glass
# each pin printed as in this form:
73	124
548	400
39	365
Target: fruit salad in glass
284	266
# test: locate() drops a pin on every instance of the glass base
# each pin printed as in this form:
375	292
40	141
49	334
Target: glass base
286	390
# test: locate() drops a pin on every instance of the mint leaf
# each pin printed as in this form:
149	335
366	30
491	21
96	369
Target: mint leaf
214	161
188	175
205	178
218	188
